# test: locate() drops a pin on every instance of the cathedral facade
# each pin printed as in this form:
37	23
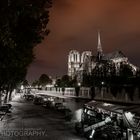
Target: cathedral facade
87	62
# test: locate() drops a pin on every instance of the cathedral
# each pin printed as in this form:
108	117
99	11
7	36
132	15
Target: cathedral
87	62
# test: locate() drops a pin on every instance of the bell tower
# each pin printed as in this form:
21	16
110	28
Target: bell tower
73	63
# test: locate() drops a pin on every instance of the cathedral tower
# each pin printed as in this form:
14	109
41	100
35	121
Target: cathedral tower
73	63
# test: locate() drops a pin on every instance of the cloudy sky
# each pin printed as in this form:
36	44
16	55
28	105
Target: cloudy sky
74	25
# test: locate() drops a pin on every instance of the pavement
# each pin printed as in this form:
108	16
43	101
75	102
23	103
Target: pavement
33	122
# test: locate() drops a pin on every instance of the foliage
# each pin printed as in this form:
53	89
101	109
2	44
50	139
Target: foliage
106	72
44	80
112	79
114	90
125	71
130	92
87	80
66	81
25	83
35	83
23	24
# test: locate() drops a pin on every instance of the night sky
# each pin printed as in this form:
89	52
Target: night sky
74	25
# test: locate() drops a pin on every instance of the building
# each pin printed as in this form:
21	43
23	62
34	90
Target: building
73	63
87	62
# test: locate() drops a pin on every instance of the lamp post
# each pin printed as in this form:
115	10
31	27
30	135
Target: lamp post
102	83
102	94
79	84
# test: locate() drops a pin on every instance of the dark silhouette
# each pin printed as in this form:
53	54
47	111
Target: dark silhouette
23	24
92	92
63	90
44	79
66	81
77	89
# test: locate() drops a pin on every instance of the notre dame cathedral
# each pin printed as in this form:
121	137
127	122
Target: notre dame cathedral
87	62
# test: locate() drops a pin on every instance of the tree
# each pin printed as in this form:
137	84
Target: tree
126	70
73	82
66	81
87	80
25	83
44	80
125	74
35	83
23	24
58	82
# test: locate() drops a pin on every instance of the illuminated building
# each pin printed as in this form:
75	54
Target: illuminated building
87	62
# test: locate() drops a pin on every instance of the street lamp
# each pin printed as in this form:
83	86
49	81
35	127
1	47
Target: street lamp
79	84
102	83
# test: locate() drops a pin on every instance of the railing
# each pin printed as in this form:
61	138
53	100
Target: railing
84	92
102	93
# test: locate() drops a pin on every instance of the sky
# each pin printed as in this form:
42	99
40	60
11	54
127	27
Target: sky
74	25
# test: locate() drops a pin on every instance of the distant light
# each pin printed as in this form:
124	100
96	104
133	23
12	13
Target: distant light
102	83
79	84
49	85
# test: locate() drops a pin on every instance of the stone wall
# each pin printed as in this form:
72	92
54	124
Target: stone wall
122	95
103	93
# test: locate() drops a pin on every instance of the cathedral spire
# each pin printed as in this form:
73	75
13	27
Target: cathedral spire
99	47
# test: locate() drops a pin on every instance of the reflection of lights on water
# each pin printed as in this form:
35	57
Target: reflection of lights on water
78	114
